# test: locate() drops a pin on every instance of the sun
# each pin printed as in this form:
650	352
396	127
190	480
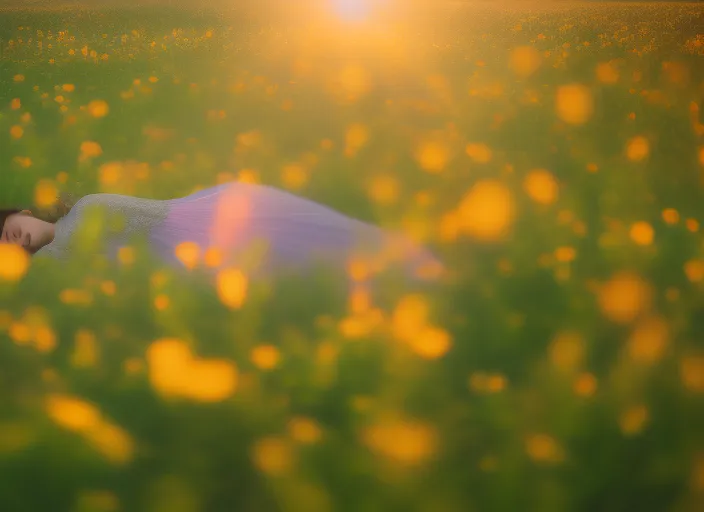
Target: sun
352	10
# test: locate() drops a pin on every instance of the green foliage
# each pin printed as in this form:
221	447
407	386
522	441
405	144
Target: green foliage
557	366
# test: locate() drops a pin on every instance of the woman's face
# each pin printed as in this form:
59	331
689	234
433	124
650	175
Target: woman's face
29	232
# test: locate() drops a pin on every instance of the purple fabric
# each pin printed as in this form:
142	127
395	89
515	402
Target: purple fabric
277	229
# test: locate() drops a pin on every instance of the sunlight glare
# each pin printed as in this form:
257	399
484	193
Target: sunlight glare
352	10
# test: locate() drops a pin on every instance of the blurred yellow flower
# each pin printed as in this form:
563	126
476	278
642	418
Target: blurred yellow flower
361	324
648	341
248	176
272	455
624	297
110	173
304	430
210	380
90	149
15	262
431	342
384	189
46	193
72	413
356	137
450	226
487	211
565	254
698	472
675	72
694	270
249	139
98	108
642	233
607	72
525	60
265	357
567	351
585	385
487	383
188	253
359	300
432	156
574	103
692	373
544	448
44	339
76	297
213	257
20	333
16	132
100	501
85	351
23	161
174	372
633	420
541	186
113	442
410	316
480	153
637	149
108	287
670	216
161	302
404	442
294	176
126	255
232	287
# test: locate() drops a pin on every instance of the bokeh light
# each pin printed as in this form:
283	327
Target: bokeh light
352	10
546	357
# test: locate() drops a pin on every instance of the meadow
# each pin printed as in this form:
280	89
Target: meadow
552	157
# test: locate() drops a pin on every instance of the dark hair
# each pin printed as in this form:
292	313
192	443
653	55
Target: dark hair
4	214
58	210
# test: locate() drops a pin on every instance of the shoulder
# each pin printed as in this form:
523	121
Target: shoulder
89	200
104	201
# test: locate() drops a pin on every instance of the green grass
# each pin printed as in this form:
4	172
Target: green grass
572	377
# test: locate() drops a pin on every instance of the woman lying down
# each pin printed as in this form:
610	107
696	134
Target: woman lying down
292	234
